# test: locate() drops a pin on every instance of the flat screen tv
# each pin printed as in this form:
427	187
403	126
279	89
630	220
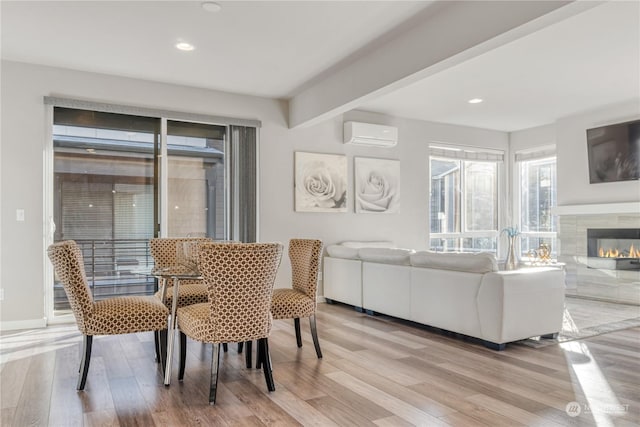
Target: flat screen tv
614	152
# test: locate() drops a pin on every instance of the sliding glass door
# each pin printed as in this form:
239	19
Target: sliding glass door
120	180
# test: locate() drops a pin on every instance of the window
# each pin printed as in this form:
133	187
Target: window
464	200
537	195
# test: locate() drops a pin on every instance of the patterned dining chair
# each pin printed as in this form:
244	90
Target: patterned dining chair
112	316
239	280
168	252
300	300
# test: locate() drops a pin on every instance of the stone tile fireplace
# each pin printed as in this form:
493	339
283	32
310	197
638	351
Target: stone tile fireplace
595	243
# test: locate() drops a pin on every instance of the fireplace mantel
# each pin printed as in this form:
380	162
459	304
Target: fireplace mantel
599	208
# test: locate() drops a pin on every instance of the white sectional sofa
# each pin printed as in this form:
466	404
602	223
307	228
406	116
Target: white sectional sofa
458	292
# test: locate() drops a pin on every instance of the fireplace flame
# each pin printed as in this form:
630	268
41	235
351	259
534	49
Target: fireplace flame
616	253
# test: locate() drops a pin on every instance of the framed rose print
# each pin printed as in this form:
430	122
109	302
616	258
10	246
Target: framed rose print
377	183
320	182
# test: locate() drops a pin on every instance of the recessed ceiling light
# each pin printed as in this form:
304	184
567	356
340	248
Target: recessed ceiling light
210	6
185	46
475	101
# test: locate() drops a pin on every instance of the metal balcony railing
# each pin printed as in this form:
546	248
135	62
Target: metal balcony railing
113	268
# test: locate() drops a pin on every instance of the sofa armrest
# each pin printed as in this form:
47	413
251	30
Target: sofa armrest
342	280
518	304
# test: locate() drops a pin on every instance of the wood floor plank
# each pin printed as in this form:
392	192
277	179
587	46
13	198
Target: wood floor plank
393	421
398	407
510	411
129	403
376	370
369	342
7	416
97	393
356	404
65	406
12	382
105	418
338	412
395	389
298	408
384	335
260	405
302	384
35	399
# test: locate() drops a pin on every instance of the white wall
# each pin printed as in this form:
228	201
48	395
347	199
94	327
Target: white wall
573	168
23	261
532	138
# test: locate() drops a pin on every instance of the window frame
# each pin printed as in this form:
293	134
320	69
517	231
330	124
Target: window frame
535	155
458	153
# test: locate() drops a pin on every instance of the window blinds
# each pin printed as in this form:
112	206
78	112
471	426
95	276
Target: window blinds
466	153
536	154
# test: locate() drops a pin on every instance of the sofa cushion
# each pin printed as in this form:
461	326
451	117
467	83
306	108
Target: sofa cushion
386	255
482	262
339	251
372	244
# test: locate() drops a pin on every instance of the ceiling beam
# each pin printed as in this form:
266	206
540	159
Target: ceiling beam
456	32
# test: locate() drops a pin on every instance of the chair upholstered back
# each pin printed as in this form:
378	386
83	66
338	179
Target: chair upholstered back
304	255
165	252
68	265
240	279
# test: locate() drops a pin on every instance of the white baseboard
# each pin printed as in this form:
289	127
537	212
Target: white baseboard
14	325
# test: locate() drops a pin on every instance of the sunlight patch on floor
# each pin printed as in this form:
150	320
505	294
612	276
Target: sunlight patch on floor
18	345
601	402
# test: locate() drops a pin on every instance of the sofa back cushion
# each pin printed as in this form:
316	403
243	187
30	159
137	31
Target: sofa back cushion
371	244
386	255
339	251
482	262
350	249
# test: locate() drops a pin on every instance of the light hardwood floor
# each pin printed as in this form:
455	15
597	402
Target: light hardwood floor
375	371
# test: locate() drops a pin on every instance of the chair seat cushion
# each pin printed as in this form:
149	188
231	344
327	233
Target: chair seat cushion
125	315
195	321
291	304
188	294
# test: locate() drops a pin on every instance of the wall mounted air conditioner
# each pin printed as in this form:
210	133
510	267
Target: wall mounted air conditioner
370	134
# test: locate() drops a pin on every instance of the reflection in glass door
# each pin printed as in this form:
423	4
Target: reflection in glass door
196	180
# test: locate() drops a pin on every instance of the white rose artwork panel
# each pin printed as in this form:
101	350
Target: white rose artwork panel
377	185
320	182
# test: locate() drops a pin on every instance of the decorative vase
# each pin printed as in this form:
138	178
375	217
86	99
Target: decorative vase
512	262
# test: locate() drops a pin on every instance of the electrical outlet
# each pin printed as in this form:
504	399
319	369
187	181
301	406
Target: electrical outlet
20	215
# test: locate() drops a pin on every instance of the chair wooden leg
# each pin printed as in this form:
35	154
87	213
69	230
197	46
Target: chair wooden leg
215	361
259	356
183	355
265	359
296	324
247	354
162	348
87	340
240	345
156	342
225	347
314	335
